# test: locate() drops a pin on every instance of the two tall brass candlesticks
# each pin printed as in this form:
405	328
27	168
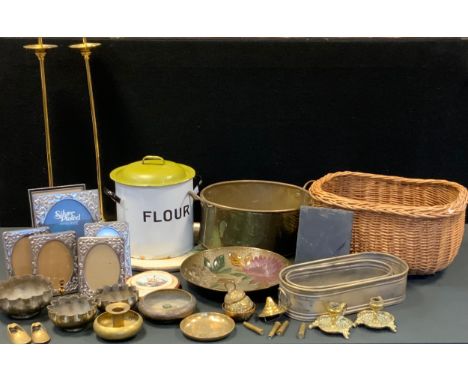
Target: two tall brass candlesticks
85	49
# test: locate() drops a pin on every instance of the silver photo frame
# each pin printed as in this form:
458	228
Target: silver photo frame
46	213
101	262
10	239
121	228
34	192
54	247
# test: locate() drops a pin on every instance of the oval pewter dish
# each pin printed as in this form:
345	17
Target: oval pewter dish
167	304
25	296
251	269
72	313
354	279
116	293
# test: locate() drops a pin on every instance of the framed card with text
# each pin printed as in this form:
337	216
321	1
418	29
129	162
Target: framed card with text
66	211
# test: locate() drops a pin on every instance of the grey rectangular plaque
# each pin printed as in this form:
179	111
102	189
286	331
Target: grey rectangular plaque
323	233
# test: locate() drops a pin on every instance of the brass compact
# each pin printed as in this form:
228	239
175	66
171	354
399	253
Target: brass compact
334	321
118	322
237	304
374	317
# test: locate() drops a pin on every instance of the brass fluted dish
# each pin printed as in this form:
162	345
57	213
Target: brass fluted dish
72	313
25	296
116	293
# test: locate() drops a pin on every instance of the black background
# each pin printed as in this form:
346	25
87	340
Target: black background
278	109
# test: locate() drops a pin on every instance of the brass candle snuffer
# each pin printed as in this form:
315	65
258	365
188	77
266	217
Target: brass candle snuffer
85	49
40	50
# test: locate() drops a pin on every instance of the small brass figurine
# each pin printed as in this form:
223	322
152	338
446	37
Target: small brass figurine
334	321
374	317
271	309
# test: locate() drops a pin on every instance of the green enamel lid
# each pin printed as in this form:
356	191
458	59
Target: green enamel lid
152	171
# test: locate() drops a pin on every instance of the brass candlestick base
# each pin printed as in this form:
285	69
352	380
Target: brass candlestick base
375	318
334	321
40	50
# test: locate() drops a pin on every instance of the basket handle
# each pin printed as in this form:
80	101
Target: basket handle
308	183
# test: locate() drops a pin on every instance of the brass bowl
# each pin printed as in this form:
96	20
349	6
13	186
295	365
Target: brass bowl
25	296
239	316
207	326
167	304
116	293
72	313
118	322
251	269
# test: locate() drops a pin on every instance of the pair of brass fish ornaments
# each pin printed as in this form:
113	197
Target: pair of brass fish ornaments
40	49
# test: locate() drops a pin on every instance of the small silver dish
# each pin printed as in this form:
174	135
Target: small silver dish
116	293
25	296
167	304
72	313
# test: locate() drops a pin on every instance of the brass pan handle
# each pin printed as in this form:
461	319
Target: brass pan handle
308	183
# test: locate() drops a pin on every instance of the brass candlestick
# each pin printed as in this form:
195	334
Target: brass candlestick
40	50
85	49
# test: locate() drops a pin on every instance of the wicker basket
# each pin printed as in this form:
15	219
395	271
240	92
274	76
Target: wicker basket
419	220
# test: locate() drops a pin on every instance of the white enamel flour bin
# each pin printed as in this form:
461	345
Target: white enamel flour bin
155	202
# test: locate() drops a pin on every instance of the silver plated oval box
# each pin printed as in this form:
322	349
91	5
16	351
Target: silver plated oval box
307	288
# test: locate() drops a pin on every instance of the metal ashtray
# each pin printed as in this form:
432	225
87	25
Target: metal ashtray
207	326
25	296
167	304
116	293
72	313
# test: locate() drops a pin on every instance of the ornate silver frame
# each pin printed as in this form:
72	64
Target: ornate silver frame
92	229
85	244
69	239
10	238
42	203
34	192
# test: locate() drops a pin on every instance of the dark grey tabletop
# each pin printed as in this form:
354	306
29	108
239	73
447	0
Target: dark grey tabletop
435	311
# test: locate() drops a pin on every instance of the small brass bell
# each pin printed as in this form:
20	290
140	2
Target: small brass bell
271	309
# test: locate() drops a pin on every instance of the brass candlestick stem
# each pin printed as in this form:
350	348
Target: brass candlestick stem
85	49
40	50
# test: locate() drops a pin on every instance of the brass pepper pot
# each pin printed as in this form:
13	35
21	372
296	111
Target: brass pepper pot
237	304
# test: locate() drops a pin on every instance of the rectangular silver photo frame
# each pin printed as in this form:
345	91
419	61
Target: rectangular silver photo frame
89	249
10	239
66	211
66	189
104	229
55	257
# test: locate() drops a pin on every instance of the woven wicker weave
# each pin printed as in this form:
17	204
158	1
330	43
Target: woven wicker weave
420	220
